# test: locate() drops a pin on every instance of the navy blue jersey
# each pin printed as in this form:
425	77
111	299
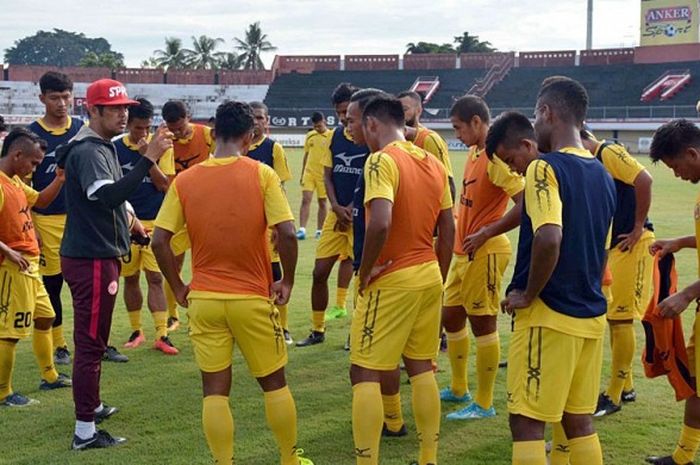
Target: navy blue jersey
263	152
348	162
46	171
146	200
358	222
588	200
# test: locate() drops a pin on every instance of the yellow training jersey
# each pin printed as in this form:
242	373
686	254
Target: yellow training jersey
697	229
621	165
434	144
316	147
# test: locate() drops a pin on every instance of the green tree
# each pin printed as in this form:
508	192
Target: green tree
172	56
150	62
428	47
252	46
471	44
230	60
56	48
203	54
109	60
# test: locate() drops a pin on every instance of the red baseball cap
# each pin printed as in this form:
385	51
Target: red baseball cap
108	92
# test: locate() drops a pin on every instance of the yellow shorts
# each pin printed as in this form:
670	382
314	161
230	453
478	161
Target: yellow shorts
550	372
388	323
476	284
313	183
180	242
252	323
23	298
142	258
333	242
632	273
690	347
50	229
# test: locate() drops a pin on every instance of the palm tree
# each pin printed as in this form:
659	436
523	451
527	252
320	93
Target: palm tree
254	44
173	56
230	60
467	43
203	54
428	47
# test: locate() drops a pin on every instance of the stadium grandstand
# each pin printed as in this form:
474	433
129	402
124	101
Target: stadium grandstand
632	90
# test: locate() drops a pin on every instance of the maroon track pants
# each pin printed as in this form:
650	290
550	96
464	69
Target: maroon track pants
93	284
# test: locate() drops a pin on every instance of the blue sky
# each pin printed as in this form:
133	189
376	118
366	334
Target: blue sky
136	28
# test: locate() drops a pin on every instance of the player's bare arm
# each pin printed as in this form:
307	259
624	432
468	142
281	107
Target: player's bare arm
303	166
344	214
378	226
666	246
51	191
14	256
168	264
642	193
445	240
508	222
675	304
287	248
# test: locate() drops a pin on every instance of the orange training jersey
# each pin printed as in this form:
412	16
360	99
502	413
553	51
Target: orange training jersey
194	150
16	227
229	253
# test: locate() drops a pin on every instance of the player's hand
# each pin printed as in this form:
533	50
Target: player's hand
162	140
472	242
629	240
138	228
60	174
281	291
344	214
673	305
376	271
181	294
664	247
17	258
142	146
514	300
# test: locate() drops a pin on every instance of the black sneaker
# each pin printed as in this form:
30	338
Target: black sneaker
315	337
443	342
62	356
105	413
503	364
112	355
63	381
100	440
605	406
288	338
667	460
629	396
387	433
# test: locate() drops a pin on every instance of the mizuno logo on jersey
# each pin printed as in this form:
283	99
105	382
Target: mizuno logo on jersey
129	166
347	160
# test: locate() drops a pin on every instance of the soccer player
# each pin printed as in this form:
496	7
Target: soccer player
23	297
482	250
630	264
677	145
56	127
400	279
423	137
315	147
228	299
342	167
193	144
555	352
146	202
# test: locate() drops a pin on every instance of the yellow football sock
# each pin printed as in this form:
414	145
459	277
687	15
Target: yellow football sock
160	320
42	344
560	446
458	352
284	315
623	348
367	420
341	296
173	311
218	428
488	354
687	445
529	453
426	411
281	414
586	450
393	417
135	319
59	340
318	321
7	364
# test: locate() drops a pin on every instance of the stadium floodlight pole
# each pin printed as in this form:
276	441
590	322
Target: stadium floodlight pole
589	26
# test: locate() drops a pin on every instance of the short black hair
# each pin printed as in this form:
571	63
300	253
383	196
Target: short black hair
418	98
259	106
567	97
342	93
174	110
673	138
317	117
144	110
363	96
53	81
212	119
509	128
386	109
233	120
469	106
20	135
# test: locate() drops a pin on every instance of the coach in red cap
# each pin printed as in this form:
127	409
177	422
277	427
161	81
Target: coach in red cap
96	236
